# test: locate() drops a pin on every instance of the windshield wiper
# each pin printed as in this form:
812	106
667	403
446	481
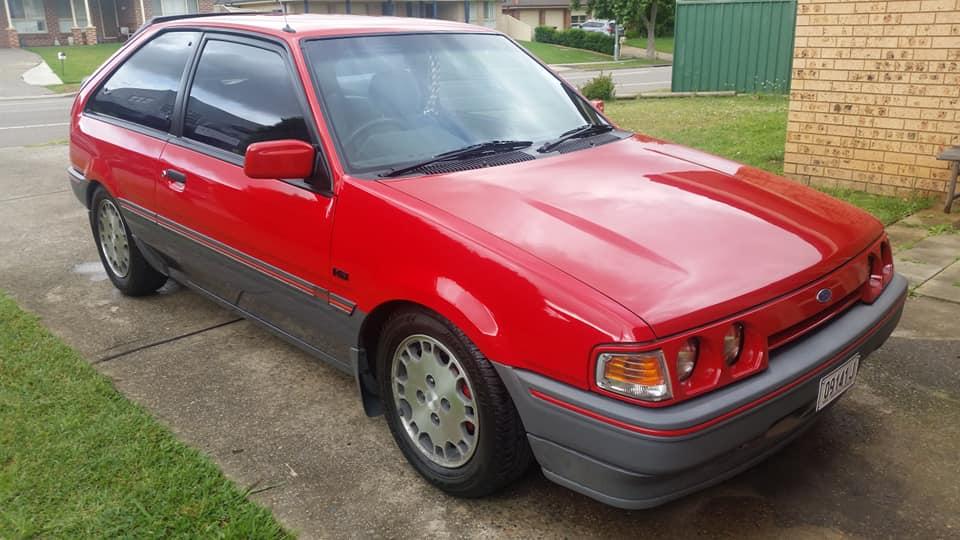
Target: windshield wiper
488	148
585	130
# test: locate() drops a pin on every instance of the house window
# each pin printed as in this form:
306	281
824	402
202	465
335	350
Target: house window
27	16
174	7
488	10
65	16
578	19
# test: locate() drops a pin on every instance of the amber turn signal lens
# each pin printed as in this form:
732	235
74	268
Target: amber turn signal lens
638	375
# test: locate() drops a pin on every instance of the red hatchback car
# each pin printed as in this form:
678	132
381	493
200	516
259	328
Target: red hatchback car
509	276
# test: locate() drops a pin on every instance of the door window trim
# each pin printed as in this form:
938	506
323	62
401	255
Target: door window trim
324	178
263	42
127	124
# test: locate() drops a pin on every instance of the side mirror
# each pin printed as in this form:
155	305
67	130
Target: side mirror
597	104
287	158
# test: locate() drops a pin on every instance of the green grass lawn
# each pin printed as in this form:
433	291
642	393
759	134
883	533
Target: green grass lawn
80	63
77	460
663	44
555	54
746	129
887	209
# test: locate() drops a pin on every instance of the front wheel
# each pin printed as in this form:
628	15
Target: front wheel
446	407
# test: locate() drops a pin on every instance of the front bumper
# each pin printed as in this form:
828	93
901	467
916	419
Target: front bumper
634	457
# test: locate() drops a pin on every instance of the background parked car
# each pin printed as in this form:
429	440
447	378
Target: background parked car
594	25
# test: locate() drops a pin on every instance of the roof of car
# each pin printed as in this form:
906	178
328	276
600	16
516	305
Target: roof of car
309	25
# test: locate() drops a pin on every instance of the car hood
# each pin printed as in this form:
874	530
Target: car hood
679	237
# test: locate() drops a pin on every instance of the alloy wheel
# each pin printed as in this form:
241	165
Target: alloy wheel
113	238
435	401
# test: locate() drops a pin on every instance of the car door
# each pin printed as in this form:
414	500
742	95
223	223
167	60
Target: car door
125	123
260	244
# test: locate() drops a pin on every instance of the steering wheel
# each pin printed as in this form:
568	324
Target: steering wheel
366	129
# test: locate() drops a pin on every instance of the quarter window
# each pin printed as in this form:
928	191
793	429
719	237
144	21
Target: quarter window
144	89
241	95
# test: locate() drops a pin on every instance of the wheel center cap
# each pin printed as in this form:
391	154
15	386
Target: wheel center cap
433	401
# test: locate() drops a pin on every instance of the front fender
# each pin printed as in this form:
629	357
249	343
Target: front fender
515	308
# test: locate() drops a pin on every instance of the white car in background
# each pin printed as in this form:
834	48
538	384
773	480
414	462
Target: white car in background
593	25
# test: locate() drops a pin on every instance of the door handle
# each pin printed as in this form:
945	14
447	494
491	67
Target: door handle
175	176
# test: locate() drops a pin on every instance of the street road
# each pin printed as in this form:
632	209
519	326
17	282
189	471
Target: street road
34	121
38	121
629	82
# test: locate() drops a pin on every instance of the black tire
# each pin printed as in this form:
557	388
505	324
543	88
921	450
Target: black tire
502	453
141	279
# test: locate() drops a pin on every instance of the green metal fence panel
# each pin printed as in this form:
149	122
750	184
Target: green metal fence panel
742	45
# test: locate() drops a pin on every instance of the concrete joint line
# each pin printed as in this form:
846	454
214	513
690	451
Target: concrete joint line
164	341
33	195
916	289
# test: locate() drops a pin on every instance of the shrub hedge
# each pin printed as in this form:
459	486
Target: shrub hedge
575	38
600	87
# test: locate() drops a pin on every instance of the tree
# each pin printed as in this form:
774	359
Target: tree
643	13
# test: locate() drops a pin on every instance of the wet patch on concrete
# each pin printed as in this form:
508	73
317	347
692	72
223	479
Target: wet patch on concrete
92	270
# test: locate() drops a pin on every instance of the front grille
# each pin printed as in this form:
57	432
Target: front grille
810	324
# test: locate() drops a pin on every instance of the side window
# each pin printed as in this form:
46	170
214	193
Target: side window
144	89
240	95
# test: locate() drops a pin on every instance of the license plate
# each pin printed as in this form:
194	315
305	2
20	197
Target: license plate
838	381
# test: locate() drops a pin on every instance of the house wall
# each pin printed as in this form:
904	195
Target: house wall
528	16
53	34
8	36
555	18
558	18
875	94
514	28
129	15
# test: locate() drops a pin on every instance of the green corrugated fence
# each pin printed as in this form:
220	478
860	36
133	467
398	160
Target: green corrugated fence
742	45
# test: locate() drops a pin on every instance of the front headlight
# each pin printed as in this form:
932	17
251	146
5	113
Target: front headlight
732	343
687	358
641	376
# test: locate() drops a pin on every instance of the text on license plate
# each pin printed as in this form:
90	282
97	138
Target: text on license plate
838	381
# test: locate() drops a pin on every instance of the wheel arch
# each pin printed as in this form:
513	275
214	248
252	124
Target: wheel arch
365	352
92	186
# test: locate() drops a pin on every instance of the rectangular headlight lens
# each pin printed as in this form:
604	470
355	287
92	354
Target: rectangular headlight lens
638	375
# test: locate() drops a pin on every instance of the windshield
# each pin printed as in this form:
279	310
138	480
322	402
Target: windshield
399	99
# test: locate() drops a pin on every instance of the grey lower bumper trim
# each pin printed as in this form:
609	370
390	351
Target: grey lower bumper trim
636	470
79	184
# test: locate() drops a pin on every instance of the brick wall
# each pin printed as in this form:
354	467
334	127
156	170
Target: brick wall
875	94
52	35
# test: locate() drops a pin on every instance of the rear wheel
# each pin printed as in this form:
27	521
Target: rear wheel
122	260
448	411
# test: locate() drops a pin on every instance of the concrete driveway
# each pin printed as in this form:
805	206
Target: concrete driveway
883	463
13	64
